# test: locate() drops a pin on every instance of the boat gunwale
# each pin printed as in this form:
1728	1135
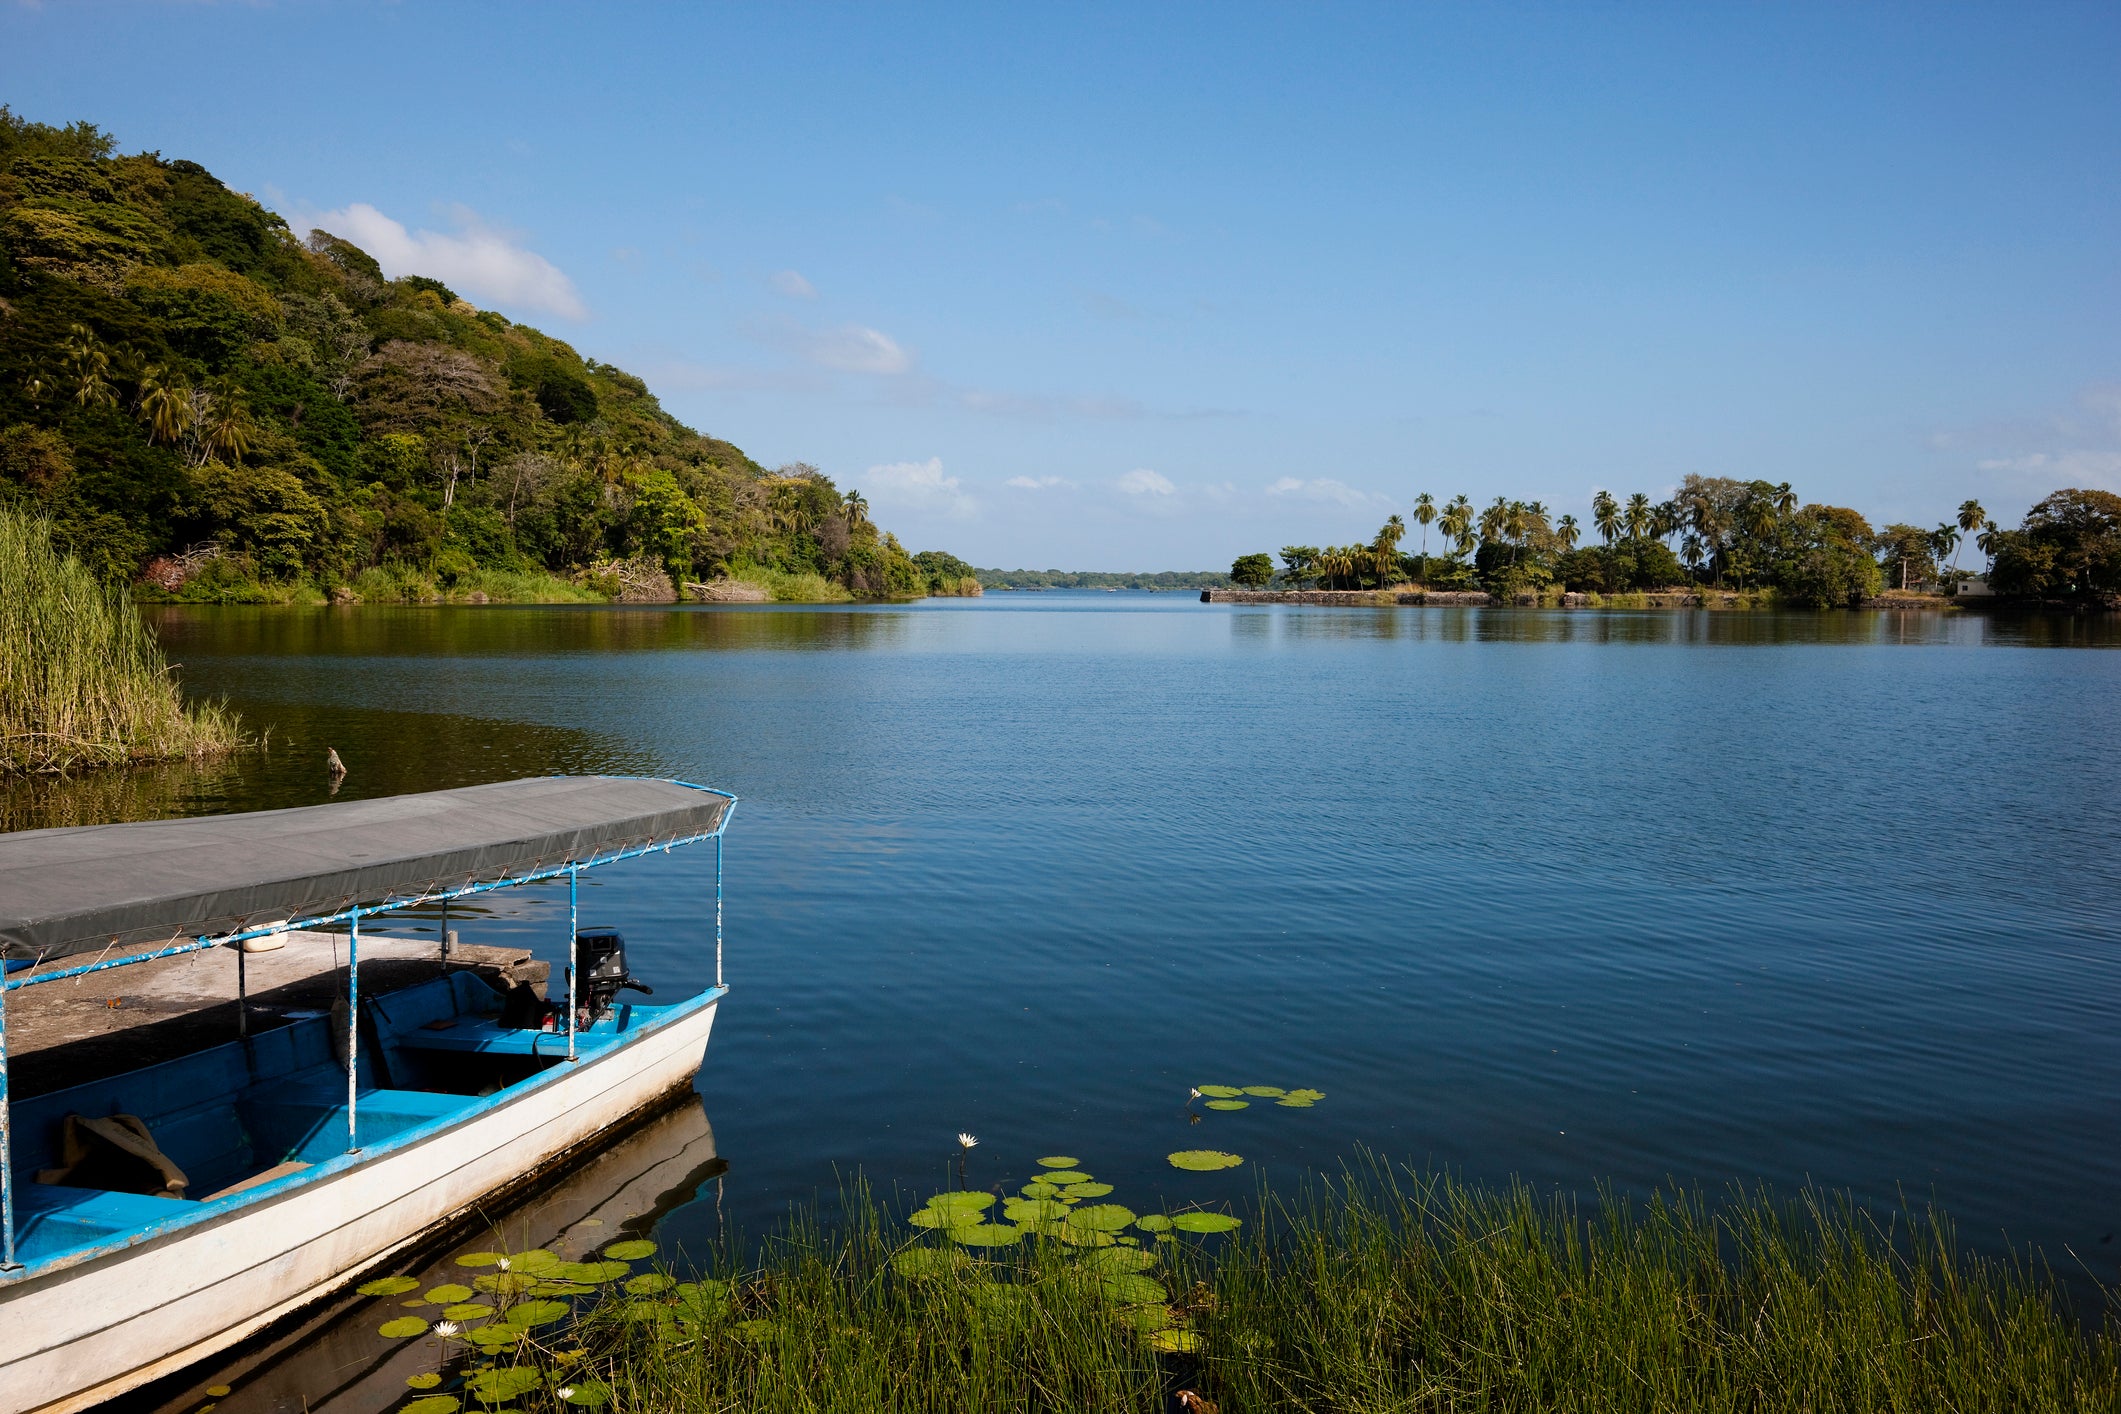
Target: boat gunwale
197	1215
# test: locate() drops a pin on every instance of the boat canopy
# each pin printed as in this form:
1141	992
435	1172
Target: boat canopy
110	888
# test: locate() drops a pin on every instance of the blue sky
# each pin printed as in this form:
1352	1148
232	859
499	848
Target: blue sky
1139	287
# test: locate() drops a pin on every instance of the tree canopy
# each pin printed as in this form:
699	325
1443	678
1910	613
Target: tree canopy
183	378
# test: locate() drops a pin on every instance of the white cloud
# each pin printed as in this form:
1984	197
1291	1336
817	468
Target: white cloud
2079	445
1038	483
846	348
919	486
1143	482
1325	488
792	284
478	260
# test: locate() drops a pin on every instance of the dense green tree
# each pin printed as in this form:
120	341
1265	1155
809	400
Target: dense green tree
176	366
2068	548
1253	571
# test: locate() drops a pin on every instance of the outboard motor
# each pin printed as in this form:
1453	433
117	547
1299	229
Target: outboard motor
601	953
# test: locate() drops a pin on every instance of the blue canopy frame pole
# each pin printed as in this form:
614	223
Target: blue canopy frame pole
718	910
353	1023
573	901
7	1151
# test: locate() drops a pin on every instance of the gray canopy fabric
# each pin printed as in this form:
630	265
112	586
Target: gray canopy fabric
97	887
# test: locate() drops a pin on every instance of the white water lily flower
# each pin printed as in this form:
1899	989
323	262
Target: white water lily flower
1192	1095
502	1264
445	1329
564	1391
966	1141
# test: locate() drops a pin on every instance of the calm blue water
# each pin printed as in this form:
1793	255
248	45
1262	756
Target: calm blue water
1627	897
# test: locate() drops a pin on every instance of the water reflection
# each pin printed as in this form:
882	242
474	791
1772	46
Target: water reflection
1727	628
334	1360
454	631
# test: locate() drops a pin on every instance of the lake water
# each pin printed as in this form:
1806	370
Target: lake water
1576	897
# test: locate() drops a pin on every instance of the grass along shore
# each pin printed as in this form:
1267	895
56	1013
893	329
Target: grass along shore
1390	1291
82	682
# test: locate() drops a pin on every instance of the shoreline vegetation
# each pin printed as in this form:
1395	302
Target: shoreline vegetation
1389	1289
1736	543
82	682
213	409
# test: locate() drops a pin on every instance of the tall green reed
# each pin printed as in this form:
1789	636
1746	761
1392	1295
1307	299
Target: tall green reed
82	682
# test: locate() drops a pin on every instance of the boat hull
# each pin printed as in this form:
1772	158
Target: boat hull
82	1334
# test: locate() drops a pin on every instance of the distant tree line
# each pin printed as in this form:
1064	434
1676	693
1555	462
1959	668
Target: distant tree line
1101	579
185	383
1721	532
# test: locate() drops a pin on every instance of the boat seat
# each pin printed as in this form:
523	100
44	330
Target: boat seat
306	1121
52	1217
485	1036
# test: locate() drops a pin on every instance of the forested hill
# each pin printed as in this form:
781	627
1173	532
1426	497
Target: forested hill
200	399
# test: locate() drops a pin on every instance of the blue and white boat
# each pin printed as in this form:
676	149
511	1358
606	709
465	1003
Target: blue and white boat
157	1217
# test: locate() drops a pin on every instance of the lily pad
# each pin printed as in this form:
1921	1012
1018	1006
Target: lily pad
1229	1104
1112	1260
960	1202
649	1283
1147	1319
1292	1104
1065	1177
466	1311
1101	1217
1203	1160
1219	1092
1266	1092
536	1262
1206	1222
1029	1210
1133	1289
589	1271
632	1251
1173	1341
434	1404
504	1382
1312	1095
1084	1236
1039	1188
403	1328
388	1286
701	1299
1059	1161
986	1235
1154	1222
449	1294
426	1381
546	1286
589	1394
922	1263
480	1259
1087	1190
757	1332
221	1391
943	1218
525	1314
505	1283
496	1337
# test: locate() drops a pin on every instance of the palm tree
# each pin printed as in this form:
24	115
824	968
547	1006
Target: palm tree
1987	539
1565	531
1495	519
87	367
229	428
1785	499
164	405
1605	514
1517	524
1424	514
1637	516
1690	551
1944	540
857	509
1971	519
1385	549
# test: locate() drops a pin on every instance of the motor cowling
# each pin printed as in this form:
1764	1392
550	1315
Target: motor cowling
601	955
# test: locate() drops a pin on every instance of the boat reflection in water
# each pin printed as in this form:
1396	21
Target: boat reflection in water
334	1363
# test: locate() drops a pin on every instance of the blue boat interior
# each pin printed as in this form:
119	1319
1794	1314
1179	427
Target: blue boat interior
245	1118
